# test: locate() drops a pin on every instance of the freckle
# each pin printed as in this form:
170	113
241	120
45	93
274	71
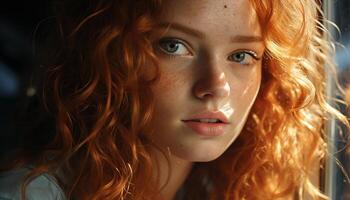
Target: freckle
167	82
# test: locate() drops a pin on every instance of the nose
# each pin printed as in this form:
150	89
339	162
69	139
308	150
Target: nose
213	84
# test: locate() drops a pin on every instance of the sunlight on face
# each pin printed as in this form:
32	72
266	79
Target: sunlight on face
210	56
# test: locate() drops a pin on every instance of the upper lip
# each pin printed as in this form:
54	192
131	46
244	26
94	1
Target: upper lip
209	115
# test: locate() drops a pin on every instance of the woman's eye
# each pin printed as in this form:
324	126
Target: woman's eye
173	47
244	57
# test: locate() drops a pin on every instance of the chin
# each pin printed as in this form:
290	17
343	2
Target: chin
193	156
206	159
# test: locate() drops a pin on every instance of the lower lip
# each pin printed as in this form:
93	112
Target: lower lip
207	129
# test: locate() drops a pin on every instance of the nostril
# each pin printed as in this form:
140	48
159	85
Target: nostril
207	95
204	89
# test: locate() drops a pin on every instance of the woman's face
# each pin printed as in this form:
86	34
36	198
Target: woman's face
210	56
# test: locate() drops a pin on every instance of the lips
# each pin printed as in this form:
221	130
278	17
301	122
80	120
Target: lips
209	115
208	123
206	120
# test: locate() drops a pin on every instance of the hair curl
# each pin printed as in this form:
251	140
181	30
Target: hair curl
100	101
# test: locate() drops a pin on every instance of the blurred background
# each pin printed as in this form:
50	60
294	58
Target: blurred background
21	31
338	182
19	22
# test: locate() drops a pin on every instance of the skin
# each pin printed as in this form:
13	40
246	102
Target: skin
216	66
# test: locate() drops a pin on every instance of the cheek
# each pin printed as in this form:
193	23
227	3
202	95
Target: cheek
165	84
169	93
253	85
170	84
249	89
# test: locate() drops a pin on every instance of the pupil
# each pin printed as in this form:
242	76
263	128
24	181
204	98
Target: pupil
172	47
239	57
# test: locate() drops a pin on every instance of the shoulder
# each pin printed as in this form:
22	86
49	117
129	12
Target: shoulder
40	188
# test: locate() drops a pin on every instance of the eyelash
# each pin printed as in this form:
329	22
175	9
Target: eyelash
252	54
173	40
177	41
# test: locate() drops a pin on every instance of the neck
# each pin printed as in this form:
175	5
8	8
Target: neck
171	175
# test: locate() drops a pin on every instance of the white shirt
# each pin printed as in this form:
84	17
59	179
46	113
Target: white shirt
43	187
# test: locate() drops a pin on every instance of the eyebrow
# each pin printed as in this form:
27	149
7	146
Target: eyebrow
199	34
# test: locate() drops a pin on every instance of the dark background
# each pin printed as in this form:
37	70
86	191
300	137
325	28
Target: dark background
21	24
342	19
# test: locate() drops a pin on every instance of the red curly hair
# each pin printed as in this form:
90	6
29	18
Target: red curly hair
99	98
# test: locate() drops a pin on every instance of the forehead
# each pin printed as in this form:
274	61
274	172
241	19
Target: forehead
217	16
